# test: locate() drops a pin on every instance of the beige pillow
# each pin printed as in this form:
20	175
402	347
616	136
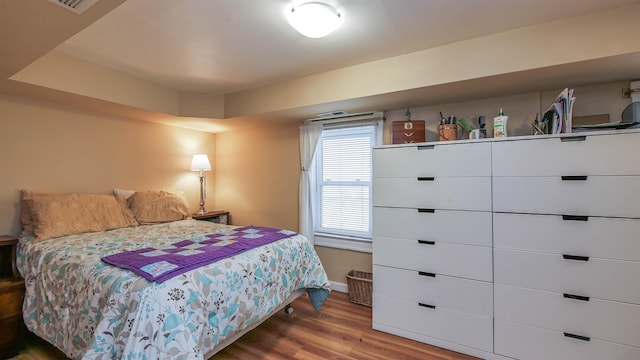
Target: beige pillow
56	215
123	192
25	213
127	193
126	212
151	207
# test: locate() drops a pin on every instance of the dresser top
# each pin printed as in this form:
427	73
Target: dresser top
518	138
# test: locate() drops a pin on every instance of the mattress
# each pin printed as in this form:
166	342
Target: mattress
91	310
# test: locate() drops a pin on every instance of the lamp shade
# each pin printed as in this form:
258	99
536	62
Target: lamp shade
314	19
200	162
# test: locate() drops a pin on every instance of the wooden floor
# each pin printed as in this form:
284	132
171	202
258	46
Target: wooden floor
341	331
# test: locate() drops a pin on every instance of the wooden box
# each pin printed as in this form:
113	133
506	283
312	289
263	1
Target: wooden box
407	132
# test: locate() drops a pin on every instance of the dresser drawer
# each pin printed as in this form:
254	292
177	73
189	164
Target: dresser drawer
616	196
452	193
463	227
467	261
11	298
433	160
453	293
11	324
594	318
611	238
454	326
595	155
526	342
598	278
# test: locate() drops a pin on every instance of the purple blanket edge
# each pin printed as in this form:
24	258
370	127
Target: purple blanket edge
186	255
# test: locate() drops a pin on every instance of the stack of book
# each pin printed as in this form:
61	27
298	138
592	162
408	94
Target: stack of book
557	117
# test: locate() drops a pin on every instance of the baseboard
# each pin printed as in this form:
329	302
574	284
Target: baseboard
339	287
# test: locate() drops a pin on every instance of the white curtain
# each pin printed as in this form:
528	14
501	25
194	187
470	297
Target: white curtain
309	136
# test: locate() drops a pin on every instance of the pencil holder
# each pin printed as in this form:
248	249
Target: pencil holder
447	132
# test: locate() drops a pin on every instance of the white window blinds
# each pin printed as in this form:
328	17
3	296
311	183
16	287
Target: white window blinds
343	179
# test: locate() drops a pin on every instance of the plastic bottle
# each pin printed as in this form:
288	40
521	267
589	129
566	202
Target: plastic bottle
500	125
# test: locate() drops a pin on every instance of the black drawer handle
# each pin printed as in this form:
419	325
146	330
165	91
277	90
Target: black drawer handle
575	257
575	218
426	147
426	178
574	178
424	273
573	138
427	305
579	337
427	211
426	242
575	297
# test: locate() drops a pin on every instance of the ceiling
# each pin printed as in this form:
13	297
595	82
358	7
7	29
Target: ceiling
212	64
225	46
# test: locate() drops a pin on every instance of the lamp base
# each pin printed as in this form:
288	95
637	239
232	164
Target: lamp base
203	195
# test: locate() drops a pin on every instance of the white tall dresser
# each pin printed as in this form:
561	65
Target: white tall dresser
432	254
523	248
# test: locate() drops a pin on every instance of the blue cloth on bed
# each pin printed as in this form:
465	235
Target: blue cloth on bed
317	297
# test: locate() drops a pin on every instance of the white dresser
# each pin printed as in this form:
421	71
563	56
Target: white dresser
567	247
519	248
432	254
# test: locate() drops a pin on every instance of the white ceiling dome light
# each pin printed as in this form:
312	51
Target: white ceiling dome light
314	19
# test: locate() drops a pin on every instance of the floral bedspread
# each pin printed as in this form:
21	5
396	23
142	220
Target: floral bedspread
92	310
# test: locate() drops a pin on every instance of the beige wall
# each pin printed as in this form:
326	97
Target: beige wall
521	108
256	167
52	148
337	263
258	171
63	72
258	174
258	164
57	70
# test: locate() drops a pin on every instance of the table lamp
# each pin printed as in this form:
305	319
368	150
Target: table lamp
200	162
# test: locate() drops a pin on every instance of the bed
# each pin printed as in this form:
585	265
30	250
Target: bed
93	310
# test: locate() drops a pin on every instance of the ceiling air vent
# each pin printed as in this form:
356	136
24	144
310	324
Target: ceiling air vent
332	113
77	6
343	116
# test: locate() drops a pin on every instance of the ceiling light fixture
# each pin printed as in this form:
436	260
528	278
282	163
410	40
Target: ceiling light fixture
314	19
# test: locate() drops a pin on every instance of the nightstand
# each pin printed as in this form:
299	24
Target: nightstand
11	298
216	216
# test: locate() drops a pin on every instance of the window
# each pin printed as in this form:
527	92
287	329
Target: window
343	179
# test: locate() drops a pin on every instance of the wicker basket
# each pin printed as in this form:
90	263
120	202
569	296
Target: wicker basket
360	286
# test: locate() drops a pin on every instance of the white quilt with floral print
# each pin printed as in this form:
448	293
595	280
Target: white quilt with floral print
91	310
